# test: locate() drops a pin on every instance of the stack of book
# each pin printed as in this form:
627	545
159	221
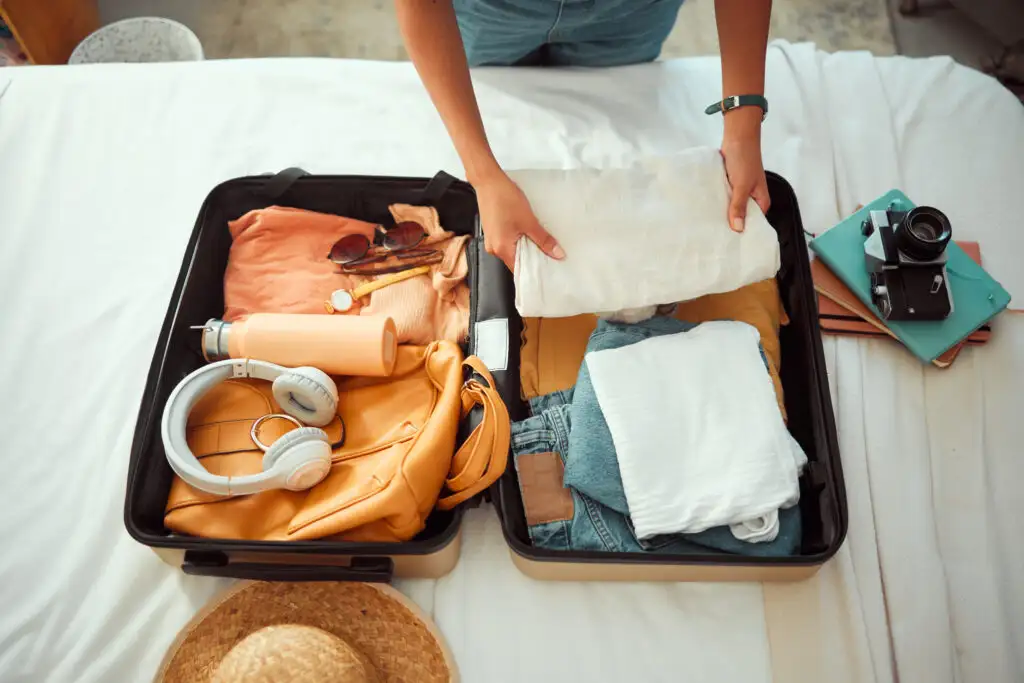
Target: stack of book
844	304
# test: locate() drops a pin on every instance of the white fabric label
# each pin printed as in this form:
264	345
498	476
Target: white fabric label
491	343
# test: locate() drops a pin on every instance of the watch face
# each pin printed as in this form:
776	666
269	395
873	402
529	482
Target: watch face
341	299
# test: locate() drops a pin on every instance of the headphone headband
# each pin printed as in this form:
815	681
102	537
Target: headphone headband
185	396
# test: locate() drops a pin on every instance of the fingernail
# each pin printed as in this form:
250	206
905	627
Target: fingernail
737	225
558	252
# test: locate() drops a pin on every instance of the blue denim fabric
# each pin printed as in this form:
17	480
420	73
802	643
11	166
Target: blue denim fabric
591	466
592	33
598	527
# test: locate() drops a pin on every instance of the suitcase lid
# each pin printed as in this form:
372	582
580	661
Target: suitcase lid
808	404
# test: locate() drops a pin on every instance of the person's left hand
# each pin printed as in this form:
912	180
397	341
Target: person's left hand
741	149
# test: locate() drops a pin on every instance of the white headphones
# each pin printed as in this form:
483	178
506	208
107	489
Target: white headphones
298	460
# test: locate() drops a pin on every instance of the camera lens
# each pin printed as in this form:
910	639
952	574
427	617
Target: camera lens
926	229
923	234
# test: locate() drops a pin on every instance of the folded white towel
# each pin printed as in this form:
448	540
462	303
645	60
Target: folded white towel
655	232
698	432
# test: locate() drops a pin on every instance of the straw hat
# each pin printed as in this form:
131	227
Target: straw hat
304	632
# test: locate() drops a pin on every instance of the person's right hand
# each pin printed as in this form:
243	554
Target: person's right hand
506	215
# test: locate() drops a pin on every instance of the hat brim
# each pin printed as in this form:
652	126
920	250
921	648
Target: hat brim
385	626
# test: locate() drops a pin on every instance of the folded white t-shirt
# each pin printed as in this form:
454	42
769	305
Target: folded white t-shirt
697	430
656	232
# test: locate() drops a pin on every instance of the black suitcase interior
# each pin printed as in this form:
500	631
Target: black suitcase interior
199	295
808	404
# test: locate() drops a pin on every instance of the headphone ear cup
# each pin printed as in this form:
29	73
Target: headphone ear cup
308	394
301	458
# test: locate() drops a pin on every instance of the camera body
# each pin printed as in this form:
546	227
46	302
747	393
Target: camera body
905	256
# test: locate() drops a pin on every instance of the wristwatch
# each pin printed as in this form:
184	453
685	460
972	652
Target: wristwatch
734	101
343	299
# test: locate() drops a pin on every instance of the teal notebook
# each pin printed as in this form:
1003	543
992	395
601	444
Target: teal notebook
977	298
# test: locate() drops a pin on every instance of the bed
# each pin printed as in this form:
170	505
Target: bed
102	171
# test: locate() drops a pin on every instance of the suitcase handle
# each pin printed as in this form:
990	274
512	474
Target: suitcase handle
366	569
435	188
282	181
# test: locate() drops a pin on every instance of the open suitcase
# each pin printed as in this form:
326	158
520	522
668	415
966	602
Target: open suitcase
495	330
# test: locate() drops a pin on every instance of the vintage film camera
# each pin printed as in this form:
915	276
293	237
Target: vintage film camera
905	255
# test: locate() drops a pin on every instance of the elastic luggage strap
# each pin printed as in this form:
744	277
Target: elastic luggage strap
482	458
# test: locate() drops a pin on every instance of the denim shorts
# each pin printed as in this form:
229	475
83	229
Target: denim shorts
559	517
593	33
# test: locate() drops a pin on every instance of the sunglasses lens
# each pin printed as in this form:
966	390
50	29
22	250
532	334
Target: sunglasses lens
349	248
404	235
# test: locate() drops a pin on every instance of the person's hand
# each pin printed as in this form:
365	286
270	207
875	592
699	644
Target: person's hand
741	149
506	215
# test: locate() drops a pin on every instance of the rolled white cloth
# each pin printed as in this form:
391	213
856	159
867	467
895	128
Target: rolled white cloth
655	232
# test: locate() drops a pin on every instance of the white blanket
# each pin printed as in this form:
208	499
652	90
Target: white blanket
698	434
102	172
653	232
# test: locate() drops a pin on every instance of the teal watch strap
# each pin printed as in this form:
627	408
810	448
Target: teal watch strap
734	101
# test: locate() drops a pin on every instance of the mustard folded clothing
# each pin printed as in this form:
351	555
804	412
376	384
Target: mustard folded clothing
553	348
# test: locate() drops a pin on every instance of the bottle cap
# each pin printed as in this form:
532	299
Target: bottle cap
215	339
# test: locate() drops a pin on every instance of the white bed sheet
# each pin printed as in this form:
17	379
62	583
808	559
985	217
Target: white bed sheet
103	168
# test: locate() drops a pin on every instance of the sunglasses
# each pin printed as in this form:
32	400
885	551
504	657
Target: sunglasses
355	252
